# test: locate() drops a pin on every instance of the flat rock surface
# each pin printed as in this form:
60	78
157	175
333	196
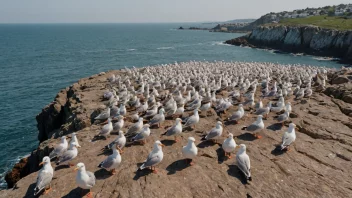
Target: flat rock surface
317	165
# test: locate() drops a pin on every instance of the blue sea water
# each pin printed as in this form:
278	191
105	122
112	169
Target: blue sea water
37	60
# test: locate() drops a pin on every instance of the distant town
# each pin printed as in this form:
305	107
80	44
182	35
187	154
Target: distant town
339	10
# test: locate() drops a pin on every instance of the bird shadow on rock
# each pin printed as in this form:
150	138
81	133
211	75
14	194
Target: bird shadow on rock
30	191
277	150
102	174
234	171
168	142
142	173
96	138
246	137
175	166
206	143
77	192
105	152
61	166
275	127
221	155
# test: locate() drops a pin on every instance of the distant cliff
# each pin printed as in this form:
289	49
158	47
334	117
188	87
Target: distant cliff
300	39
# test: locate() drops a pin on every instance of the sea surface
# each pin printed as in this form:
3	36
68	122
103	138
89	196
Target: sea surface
37	60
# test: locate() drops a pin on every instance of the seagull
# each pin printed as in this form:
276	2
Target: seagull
68	155
215	132
158	119
84	179
103	115
283	117
106	130
192	120
135	128
75	140
229	145
120	141
117	126
45	176
256	126
243	162
113	161
174	130
154	157
190	151
59	149
142	135
264	111
237	115
289	137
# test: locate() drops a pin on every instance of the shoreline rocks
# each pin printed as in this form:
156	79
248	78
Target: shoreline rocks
300	39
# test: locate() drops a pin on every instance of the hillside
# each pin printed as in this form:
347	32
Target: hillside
330	22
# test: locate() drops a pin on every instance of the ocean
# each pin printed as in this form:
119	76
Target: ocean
37	60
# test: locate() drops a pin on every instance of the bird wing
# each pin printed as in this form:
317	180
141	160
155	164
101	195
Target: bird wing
243	164
235	116
171	131
212	134
133	129
91	181
107	163
282	117
58	150
152	160
190	121
139	136
253	127
286	139
43	180
67	156
156	119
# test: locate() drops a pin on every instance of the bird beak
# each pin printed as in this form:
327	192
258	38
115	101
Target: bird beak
75	169
162	145
237	146
118	148
41	163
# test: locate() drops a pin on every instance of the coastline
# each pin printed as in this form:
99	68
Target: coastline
77	104
310	40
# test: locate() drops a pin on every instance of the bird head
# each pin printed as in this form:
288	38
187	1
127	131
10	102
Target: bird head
191	139
45	160
79	166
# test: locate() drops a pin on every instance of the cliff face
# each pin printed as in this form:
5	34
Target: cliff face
61	117
306	39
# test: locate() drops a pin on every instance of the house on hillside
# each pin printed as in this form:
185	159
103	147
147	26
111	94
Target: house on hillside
339	12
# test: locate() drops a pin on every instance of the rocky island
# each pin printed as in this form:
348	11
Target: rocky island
318	163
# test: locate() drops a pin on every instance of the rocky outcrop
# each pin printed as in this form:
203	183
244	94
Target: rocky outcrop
300	39
320	158
61	117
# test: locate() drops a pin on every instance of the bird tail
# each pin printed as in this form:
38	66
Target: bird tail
244	128
100	165
141	167
249	178
37	191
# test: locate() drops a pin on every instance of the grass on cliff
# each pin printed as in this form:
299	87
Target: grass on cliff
334	22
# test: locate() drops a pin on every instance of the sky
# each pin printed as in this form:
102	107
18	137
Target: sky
145	11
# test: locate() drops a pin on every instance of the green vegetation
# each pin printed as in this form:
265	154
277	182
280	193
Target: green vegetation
333	22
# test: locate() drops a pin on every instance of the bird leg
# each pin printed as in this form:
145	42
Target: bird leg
47	190
154	171
257	136
191	162
113	171
288	148
176	140
90	194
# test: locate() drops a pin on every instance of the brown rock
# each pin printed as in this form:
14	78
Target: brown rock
339	80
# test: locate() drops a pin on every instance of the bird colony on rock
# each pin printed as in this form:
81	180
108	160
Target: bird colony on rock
155	93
